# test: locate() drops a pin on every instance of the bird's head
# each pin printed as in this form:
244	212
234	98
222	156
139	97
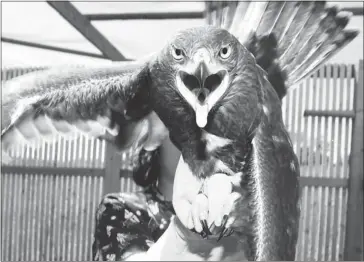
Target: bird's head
201	61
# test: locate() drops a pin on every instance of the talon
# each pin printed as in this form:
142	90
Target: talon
222	234
212	227
230	232
224	230
205	228
223	226
224	221
203	234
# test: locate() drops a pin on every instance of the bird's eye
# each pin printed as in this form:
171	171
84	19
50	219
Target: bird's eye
225	52
177	53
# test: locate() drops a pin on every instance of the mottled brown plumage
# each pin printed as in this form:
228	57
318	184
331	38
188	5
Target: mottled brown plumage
303	35
247	114
238	116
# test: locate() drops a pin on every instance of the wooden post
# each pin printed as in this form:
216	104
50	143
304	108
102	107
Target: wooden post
354	222
112	170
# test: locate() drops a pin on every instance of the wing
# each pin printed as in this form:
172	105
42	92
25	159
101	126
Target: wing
275	183
251	116
290	40
109	102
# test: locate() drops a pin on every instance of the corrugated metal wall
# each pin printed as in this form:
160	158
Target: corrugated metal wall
48	217
51	216
322	143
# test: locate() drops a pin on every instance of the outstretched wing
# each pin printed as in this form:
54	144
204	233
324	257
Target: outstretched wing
290	40
109	102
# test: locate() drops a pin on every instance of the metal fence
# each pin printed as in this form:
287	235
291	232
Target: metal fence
49	195
319	115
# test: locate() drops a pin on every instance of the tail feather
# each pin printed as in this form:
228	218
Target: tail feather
295	16
217	10
300	15
288	57
323	29
219	7
319	45
271	15
295	32
254	14
240	12
215	13
340	41
290	40
208	12
228	14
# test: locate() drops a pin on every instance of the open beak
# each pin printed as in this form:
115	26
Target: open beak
202	88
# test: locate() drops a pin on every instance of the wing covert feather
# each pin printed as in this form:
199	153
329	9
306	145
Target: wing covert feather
64	100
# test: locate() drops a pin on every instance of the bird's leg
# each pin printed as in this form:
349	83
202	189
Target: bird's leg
197	220
220	207
198	203
236	215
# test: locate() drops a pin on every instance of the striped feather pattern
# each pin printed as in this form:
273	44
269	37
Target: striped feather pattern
331	48
306	33
297	20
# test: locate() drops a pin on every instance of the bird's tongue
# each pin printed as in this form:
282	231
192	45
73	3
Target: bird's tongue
201	114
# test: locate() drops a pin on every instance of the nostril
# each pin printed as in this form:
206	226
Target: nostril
190	81
212	82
